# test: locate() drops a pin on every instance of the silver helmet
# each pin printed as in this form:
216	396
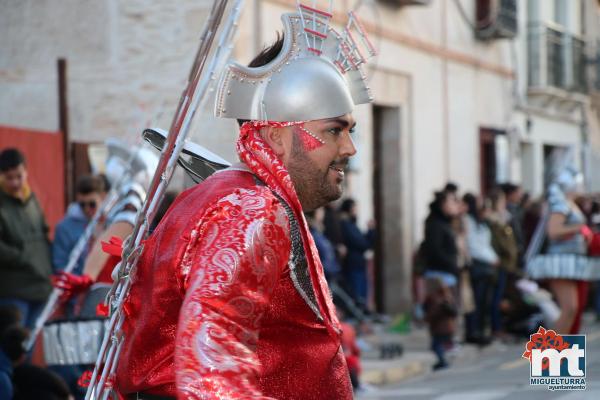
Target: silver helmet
562	173
316	75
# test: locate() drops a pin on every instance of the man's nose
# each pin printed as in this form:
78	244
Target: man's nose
347	148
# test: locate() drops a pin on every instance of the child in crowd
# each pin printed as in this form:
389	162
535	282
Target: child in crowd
441	312
12	349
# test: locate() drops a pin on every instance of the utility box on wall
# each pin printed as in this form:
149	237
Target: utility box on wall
496	19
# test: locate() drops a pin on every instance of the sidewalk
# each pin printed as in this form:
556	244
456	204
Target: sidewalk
417	359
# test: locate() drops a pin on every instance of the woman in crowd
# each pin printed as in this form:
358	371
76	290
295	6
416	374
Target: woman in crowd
484	263
440	254
439	250
505	245
565	264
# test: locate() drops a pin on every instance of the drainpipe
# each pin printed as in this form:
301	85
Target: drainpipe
445	111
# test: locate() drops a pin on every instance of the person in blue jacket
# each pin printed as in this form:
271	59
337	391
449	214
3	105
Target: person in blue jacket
89	192
357	244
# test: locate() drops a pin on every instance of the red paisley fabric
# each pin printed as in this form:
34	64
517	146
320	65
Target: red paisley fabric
214	313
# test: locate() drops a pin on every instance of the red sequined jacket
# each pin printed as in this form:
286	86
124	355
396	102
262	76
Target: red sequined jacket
223	306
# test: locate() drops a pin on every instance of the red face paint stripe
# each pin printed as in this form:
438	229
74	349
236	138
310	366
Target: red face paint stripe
309	140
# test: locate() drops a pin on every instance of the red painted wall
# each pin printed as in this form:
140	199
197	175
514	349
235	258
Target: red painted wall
45	164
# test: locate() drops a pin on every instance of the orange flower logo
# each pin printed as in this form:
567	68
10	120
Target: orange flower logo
545	339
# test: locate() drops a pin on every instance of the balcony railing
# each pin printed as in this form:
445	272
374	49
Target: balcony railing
556	59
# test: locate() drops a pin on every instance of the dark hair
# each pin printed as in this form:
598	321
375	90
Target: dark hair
347	205
32	382
9	315
266	55
471	201
495	195
13	340
439	198
451	187
509	188
11	159
89	184
105	182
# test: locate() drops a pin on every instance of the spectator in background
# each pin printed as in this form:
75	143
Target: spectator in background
465	301
32	382
25	261
484	264
357	243
9	315
439	249
88	196
9	318
514	205
12	353
441	312
333	231
505	245
324	246
452	189
105	183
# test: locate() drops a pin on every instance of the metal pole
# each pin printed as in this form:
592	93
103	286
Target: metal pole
63	124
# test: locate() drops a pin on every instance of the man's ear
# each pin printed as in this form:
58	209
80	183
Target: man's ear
275	138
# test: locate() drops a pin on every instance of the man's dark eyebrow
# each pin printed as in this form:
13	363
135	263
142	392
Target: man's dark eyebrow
344	123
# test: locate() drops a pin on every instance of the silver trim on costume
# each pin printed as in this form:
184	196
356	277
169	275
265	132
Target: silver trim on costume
299	271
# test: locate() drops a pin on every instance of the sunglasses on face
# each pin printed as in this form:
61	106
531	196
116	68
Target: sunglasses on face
90	204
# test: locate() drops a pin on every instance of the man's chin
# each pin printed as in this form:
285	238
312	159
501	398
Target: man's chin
336	193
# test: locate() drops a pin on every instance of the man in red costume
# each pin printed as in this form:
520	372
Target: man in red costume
230	300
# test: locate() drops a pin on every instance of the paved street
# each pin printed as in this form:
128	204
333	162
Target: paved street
497	373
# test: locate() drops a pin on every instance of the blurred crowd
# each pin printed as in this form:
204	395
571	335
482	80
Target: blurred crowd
31	265
471	281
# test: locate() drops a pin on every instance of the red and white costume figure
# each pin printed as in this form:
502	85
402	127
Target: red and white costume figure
230	299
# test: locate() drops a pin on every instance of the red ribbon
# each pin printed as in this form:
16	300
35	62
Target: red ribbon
102	310
85	378
114	246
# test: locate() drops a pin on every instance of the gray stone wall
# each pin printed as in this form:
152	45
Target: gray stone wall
127	61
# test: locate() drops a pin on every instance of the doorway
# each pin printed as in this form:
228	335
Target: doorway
391	276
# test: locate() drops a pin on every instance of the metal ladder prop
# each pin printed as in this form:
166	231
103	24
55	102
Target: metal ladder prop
315	23
351	52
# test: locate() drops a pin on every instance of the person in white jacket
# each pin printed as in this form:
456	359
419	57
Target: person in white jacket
483	268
